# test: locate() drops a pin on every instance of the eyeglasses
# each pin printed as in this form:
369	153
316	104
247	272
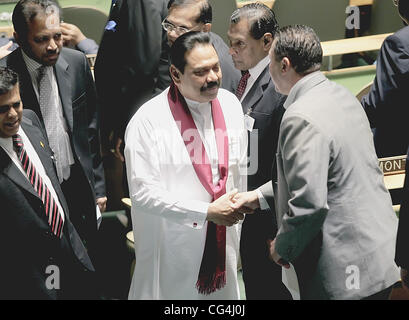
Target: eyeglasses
169	27
395	2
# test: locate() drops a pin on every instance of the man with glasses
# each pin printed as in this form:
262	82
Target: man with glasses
193	15
386	103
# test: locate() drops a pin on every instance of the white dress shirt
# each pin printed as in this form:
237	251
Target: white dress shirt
7	145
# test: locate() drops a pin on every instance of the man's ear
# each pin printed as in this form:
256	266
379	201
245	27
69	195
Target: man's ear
285	65
267	41
16	37
174	73
207	27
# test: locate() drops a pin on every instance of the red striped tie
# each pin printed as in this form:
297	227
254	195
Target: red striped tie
242	84
51	208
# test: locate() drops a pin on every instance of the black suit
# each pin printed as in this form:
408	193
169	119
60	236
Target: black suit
386	104
231	76
27	244
402	242
127	61
78	97
262	277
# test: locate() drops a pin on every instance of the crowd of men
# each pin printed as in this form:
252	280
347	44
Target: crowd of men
239	153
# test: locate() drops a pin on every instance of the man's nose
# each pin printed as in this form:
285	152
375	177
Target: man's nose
212	76
52	45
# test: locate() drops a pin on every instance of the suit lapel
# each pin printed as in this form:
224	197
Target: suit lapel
28	96
257	90
16	175
64	87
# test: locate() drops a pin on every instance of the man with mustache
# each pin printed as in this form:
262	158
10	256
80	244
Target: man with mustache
57	84
186	157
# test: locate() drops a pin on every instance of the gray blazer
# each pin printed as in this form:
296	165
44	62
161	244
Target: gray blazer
335	217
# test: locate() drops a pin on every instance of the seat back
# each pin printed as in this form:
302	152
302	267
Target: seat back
364	91
222	10
91	21
326	17
384	17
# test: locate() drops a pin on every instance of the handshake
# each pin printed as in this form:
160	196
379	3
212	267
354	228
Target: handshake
230	208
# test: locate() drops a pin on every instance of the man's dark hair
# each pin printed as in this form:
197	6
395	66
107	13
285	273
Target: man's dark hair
205	15
260	17
25	11
185	43
8	80
301	45
403	7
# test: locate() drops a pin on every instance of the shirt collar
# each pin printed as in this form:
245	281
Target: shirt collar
7	143
303	85
32	65
259	67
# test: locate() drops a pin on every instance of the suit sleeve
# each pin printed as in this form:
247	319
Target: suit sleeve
390	83
93	133
305	154
88	46
144	26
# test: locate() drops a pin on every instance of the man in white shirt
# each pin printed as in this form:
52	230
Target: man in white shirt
42	254
251	33
185	151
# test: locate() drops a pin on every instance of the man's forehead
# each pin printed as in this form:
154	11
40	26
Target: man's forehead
46	21
185	14
202	55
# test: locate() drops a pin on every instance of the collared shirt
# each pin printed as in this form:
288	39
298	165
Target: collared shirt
7	145
254	74
65	149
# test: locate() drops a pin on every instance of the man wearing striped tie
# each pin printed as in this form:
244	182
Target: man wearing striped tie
42	254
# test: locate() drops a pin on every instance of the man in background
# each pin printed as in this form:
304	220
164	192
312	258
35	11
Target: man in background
251	33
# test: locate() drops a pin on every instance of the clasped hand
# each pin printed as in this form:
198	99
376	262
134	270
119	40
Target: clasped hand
226	211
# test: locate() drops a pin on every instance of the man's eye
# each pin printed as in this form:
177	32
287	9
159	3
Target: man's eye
4	109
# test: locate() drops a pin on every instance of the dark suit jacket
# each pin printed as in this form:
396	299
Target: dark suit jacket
262	277
27	244
128	59
78	97
402	242
231	76
386	104
266	106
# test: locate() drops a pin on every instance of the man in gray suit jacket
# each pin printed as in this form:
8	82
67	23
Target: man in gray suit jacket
335	217
193	15
251	34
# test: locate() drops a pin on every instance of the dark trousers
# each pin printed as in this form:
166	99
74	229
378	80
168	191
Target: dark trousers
262	277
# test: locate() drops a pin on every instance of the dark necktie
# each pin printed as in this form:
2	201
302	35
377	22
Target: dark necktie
242	84
51	208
